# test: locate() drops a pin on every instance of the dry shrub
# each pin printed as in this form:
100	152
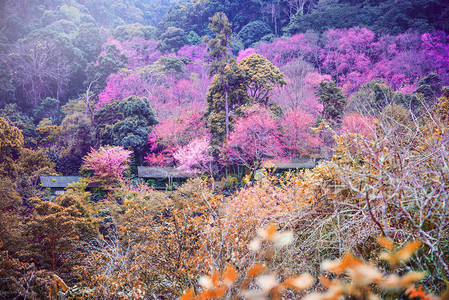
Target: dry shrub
345	278
394	184
267	199
20	279
159	247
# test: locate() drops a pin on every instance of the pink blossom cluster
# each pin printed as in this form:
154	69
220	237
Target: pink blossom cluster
355	56
107	163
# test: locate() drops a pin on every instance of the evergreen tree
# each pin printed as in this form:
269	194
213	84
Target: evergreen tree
219	53
333	102
126	123
225	96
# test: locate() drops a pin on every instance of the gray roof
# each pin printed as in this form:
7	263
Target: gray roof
161	172
294	163
58	181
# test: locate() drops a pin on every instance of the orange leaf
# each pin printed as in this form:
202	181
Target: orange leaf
271	230
340	266
413	292
219	292
215	279
256	270
188	295
407	251
385	242
411	277
207	294
230	275
327	283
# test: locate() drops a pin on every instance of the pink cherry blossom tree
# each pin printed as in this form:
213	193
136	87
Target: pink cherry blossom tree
355	56
196	156
436	46
358	124
297	136
173	133
301	89
144	77
347	51
108	163
256	136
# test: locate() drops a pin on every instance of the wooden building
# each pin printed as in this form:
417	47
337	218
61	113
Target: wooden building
57	184
294	163
162	176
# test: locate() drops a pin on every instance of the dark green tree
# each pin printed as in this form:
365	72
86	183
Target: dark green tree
172	39
333	100
172	65
77	137
108	63
375	95
253	32
48	108
193	38
89	41
227	93
384	95
430	87
126	123
134	31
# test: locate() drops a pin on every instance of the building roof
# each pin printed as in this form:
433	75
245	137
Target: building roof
161	172
58	181
293	163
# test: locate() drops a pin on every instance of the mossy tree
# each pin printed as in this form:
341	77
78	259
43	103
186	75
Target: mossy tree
261	77
219	53
11	142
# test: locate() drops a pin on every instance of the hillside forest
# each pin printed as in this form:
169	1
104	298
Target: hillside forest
228	95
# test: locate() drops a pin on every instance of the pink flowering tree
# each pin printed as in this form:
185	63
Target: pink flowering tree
346	52
122	85
144	77
196	156
297	136
358	124
256	136
199	57
355	56
301	89
108	164
173	133
436	47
